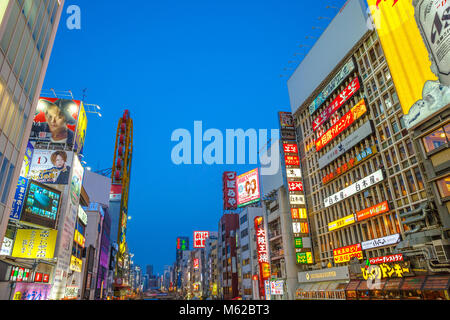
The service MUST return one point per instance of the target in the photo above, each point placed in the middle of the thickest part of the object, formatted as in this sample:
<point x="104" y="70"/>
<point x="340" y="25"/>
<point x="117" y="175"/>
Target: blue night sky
<point x="172" y="63"/>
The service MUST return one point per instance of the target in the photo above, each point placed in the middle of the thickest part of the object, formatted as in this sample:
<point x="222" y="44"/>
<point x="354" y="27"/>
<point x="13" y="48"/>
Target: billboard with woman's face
<point x="247" y="186"/>
<point x="55" y="121"/>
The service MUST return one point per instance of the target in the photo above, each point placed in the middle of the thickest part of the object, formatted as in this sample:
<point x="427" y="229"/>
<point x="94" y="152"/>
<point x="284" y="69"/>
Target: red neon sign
<point x="290" y="148"/>
<point x="343" y="123"/>
<point x="340" y="100"/>
<point x="386" y="259"/>
<point x="292" y="160"/>
<point x="295" y="186"/>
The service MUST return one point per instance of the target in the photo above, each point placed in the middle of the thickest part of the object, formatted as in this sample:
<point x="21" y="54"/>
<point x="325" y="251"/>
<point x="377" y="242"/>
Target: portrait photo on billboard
<point x="55" y="121"/>
<point x="51" y="166"/>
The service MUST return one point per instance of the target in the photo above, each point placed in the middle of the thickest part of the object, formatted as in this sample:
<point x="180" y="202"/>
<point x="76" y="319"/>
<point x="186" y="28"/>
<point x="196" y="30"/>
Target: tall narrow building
<point x="27" y="33"/>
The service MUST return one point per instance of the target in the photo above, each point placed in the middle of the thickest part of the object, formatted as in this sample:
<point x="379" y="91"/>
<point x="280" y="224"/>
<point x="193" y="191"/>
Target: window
<point x="411" y="183"/>
<point x="436" y="139"/>
<point x="444" y="186"/>
<point x="418" y="177"/>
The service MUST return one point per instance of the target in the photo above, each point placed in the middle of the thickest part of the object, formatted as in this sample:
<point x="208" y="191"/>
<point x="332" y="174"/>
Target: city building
<point x="212" y="275"/>
<point x="248" y="259"/>
<point x="26" y="42"/>
<point x="227" y="256"/>
<point x="361" y="173"/>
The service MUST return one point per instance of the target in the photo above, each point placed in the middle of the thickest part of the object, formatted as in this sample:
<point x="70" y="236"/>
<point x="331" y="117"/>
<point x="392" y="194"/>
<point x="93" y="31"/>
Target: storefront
<point x="419" y="287"/>
<point x="324" y="284"/>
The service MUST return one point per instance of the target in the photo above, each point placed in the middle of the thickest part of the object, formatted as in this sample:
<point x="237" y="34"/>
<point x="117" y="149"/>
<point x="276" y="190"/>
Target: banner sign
<point x="346" y="121"/>
<point x="229" y="190"/>
<point x="385" y="271"/>
<point x="340" y="100"/>
<point x="354" y="138"/>
<point x="386" y="259"/>
<point x="348" y="220"/>
<point x="361" y="185"/>
<point x="263" y="255"/>
<point x="353" y="162"/>
<point x="381" y="242"/>
<point x="345" y="254"/>
<point x="333" y="85"/>
<point x="373" y="211"/>
<point x="19" y="198"/>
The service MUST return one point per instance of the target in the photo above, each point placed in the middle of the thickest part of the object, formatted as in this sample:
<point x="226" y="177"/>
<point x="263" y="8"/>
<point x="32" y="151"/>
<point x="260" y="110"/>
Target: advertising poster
<point x="415" y="36"/>
<point x="55" y="121"/>
<point x="81" y="129"/>
<point x="34" y="244"/>
<point x="76" y="181"/>
<point x="248" y="188"/>
<point x="51" y="166"/>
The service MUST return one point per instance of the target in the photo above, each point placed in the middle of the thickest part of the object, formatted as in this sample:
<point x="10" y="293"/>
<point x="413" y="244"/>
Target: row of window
<point x="6" y="173"/>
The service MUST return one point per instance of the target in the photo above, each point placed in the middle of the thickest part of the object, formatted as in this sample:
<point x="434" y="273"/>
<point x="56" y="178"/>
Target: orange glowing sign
<point x="373" y="211"/>
<point x="355" y="113"/>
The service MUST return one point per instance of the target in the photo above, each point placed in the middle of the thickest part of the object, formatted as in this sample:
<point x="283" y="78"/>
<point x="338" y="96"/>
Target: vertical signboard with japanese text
<point x="294" y="185"/>
<point x="263" y="254"/>
<point x="415" y="36"/>
<point x="229" y="190"/>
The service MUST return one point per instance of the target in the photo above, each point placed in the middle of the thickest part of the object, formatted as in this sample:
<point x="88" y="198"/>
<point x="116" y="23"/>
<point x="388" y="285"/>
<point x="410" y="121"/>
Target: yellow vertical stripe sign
<point x="403" y="47"/>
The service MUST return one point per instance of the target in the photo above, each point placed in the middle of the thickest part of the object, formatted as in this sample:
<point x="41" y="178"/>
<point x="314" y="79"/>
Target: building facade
<point x="362" y="176"/>
<point x="26" y="41"/>
<point x="227" y="256"/>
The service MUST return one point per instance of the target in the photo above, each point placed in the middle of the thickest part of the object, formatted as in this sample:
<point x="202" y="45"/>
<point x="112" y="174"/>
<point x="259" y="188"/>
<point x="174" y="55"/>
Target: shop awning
<point x="304" y="287"/>
<point x="437" y="282"/>
<point x="323" y="286"/>
<point x="393" y="284"/>
<point x="336" y="286"/>
<point x="352" y="285"/>
<point x="315" y="286"/>
<point x="413" y="283"/>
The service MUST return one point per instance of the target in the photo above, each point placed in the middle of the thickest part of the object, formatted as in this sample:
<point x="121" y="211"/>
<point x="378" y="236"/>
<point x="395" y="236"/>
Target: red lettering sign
<point x="295" y="186"/>
<point x="229" y="190"/>
<point x="340" y="100"/>
<point x="387" y="259"/>
<point x="290" y="148"/>
<point x="292" y="160"/>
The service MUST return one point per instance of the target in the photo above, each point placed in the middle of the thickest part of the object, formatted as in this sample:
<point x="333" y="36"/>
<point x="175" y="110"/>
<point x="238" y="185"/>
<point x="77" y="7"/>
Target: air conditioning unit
<point x="442" y="250"/>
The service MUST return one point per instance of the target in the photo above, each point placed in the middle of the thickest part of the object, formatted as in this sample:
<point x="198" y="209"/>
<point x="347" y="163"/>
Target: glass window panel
<point x="444" y="186"/>
<point x="434" y="140"/>
<point x="8" y="183"/>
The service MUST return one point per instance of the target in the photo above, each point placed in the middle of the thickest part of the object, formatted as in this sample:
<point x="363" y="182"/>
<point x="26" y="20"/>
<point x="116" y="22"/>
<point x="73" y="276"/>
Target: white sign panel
<point x="293" y="173"/>
<point x="361" y="185"/>
<point x="6" y="246"/>
<point x="276" y="287"/>
<point x="296" y="199"/>
<point x="380" y="242"/>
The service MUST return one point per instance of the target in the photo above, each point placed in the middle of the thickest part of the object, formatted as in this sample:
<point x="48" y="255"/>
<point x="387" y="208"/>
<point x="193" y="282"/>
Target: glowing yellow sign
<point x="34" y="244"/>
<point x="350" y="219"/>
